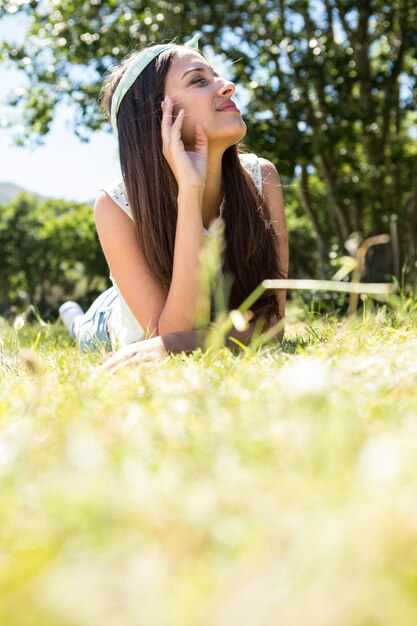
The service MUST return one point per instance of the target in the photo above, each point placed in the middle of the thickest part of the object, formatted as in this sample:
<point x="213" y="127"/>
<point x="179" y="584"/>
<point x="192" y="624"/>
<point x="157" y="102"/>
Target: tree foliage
<point x="333" y="87"/>
<point x="50" y="252"/>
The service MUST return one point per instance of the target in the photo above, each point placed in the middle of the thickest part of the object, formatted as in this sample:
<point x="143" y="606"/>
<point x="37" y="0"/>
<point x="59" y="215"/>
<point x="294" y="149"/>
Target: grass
<point x="273" y="488"/>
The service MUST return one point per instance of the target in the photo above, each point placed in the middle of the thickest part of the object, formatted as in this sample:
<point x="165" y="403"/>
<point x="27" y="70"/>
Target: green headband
<point x="136" y="67"/>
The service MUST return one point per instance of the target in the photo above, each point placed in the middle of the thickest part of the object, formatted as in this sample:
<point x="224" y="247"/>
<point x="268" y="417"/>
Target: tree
<point x="50" y="249"/>
<point x="333" y="88"/>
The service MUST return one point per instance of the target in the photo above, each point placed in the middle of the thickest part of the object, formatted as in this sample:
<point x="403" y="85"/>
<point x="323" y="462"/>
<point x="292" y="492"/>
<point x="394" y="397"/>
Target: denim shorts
<point x="93" y="331"/>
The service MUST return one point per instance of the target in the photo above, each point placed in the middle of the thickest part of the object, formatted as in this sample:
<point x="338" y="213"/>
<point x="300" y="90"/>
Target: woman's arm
<point x="157" y="348"/>
<point x="180" y="308"/>
<point x="190" y="170"/>
<point x="117" y="233"/>
<point x="155" y="310"/>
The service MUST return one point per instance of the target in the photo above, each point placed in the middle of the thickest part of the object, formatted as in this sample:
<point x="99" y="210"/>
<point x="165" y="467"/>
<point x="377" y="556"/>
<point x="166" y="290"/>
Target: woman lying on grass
<point x="183" y="178"/>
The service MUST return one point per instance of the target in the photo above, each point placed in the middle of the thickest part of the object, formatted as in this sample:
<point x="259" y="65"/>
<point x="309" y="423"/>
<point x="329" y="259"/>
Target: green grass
<point x="273" y="488"/>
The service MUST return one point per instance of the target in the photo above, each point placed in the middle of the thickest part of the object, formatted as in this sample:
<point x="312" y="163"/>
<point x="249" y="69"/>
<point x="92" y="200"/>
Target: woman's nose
<point x="227" y="87"/>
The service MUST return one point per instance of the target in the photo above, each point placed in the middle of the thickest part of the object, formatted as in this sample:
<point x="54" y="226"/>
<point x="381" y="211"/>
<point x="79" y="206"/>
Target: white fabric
<point x="123" y="326"/>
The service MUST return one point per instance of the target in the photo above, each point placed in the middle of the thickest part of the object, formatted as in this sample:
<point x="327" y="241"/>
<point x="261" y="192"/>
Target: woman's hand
<point x="155" y="349"/>
<point x="147" y="351"/>
<point x="189" y="168"/>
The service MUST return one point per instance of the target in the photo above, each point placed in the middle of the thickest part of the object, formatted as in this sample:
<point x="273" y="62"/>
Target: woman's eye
<point x="198" y="80"/>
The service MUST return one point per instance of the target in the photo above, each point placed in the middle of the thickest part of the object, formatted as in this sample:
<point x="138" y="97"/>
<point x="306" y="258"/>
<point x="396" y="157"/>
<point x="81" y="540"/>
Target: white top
<point x="122" y="325"/>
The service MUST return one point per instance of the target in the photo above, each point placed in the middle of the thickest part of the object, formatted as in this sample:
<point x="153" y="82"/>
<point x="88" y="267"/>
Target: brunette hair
<point x="249" y="254"/>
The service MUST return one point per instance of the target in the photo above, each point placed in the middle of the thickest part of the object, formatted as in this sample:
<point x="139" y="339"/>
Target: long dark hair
<point x="250" y="242"/>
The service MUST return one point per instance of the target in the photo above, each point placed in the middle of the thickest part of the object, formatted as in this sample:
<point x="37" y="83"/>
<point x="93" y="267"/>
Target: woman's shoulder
<point x="117" y="192"/>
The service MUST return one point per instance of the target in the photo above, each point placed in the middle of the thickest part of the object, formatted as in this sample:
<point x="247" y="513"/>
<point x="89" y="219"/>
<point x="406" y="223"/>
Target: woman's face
<point x="195" y="87"/>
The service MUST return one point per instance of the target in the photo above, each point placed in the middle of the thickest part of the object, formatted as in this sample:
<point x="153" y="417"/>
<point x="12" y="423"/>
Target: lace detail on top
<point x="251" y="163"/>
<point x="117" y="190"/>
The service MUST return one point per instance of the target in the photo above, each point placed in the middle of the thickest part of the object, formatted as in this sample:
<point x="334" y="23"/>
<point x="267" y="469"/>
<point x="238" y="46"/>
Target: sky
<point x="64" y="167"/>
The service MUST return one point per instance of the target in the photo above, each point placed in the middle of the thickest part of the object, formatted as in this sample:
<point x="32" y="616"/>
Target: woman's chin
<point x="239" y="136"/>
<point x="236" y="134"/>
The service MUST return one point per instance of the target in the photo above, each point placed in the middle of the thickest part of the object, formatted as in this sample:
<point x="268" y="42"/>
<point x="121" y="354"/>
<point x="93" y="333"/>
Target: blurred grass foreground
<point x="277" y="487"/>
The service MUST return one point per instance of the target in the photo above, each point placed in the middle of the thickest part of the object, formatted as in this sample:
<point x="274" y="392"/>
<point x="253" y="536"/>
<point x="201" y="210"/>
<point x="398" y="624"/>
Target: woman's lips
<point x="231" y="108"/>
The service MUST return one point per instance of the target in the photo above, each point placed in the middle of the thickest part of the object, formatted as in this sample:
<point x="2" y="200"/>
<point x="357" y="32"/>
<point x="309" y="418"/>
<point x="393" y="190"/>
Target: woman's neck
<point x="213" y="190"/>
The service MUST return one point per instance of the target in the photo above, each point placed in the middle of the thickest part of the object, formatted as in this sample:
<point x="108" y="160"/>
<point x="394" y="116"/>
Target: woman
<point x="178" y="131"/>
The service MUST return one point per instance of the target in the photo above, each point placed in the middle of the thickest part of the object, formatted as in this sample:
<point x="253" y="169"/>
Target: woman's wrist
<point x="190" y="196"/>
<point x="184" y="341"/>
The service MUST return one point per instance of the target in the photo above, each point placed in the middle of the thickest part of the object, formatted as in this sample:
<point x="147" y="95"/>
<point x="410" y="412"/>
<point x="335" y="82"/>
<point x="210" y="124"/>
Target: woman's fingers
<point x="121" y="356"/>
<point x="129" y="363"/>
<point x="114" y="364"/>
<point x="135" y="354"/>
<point x="170" y="129"/>
<point x="176" y="126"/>
<point x="180" y="118"/>
<point x="166" y="123"/>
<point x="189" y="167"/>
<point x="140" y="360"/>
<point x="108" y="365"/>
<point x="167" y="109"/>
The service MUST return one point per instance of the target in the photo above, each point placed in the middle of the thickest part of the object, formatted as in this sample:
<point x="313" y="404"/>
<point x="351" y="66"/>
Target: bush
<point x="51" y="253"/>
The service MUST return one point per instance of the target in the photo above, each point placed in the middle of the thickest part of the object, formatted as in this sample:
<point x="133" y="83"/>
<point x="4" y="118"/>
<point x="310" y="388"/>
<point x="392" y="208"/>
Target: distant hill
<point x="9" y="191"/>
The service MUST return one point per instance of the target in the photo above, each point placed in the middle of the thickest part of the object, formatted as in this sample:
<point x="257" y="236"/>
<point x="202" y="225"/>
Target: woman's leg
<point x="92" y="331"/>
<point x="71" y="314"/>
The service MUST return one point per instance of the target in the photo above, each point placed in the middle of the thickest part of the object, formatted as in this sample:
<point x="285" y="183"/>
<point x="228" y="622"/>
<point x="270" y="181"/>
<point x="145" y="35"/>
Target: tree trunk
<point x="412" y="223"/>
<point x="329" y="177"/>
